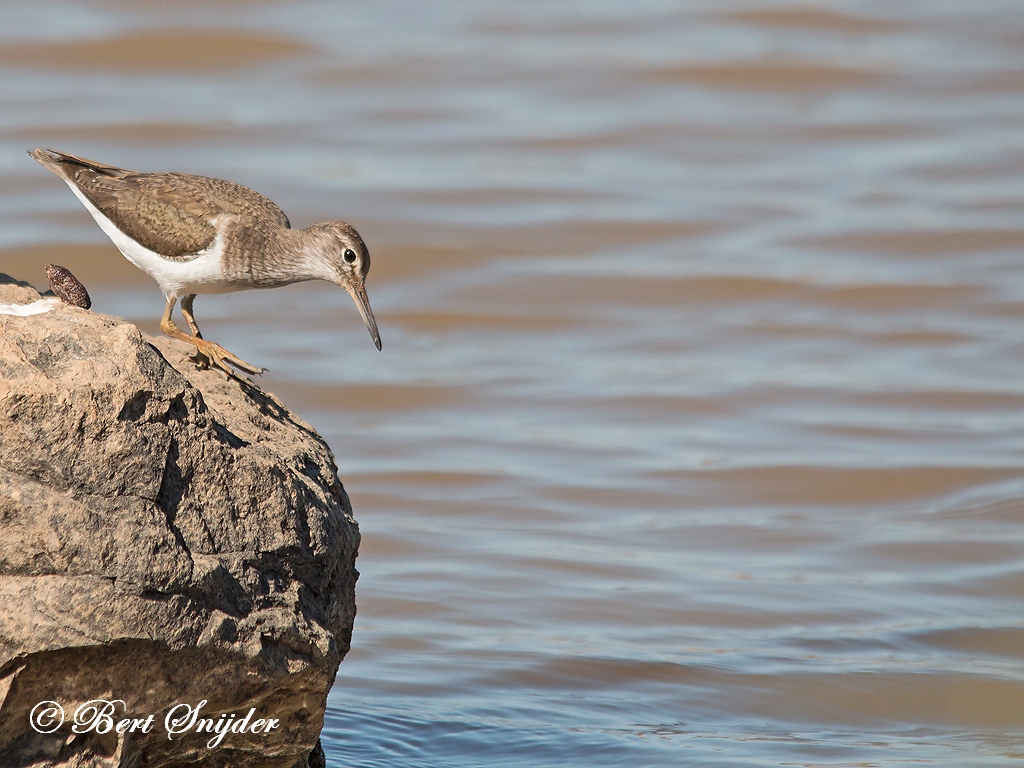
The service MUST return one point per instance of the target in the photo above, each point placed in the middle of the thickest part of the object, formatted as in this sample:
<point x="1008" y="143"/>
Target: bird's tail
<point x="64" y="164"/>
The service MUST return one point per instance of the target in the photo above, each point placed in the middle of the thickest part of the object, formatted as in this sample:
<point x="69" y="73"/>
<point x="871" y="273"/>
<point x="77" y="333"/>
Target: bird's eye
<point x="349" y="255"/>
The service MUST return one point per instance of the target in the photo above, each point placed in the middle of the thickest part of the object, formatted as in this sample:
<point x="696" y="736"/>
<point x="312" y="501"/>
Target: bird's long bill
<point x="358" y="293"/>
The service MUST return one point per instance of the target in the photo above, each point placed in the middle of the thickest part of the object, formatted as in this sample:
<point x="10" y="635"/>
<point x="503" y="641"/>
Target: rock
<point x="167" y="537"/>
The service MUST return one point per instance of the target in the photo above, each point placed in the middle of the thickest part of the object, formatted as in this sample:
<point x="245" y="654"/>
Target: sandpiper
<point x="194" y="234"/>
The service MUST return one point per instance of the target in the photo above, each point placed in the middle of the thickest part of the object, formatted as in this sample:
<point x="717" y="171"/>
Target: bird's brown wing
<point x="169" y="213"/>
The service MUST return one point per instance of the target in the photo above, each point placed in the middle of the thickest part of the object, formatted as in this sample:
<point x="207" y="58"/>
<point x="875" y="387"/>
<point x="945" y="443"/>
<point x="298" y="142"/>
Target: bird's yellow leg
<point x="217" y="356"/>
<point x="186" y="312"/>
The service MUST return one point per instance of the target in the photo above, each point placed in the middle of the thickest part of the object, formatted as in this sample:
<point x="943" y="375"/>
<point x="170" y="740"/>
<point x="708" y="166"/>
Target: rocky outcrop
<point x="167" y="537"/>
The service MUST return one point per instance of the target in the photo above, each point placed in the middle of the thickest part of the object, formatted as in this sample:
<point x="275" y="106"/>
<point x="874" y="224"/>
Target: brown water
<point x="698" y="433"/>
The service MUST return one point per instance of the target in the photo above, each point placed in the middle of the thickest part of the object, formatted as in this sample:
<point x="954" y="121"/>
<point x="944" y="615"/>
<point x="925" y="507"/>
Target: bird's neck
<point x="293" y="256"/>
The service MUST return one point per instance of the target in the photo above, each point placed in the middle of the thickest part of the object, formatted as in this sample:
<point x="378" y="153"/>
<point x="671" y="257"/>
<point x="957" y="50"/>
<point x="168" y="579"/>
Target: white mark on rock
<point x="35" y="308"/>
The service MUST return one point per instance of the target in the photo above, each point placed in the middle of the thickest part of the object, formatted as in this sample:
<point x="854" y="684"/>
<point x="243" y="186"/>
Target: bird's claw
<point x="215" y="356"/>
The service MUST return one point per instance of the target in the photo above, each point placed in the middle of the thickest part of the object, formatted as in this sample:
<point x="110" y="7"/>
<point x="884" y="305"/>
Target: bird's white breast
<point x="200" y="274"/>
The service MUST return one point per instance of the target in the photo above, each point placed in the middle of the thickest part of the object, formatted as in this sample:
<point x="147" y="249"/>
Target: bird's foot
<point x="215" y="356"/>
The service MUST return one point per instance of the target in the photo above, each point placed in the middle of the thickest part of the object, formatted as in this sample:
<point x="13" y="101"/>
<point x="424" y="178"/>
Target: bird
<point x="195" y="234"/>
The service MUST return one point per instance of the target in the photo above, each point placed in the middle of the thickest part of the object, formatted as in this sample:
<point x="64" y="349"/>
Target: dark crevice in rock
<point x="135" y="408"/>
<point x="173" y="483"/>
<point x="177" y="410"/>
<point x="225" y="593"/>
<point x="317" y="758"/>
<point x="227" y="437"/>
<point x="155" y="594"/>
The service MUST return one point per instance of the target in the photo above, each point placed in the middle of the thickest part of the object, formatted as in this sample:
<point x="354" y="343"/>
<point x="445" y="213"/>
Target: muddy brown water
<point x="697" y="437"/>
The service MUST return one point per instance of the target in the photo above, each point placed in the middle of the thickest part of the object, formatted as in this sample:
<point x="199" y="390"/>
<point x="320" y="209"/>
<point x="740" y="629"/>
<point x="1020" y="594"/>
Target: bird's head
<point x="346" y="262"/>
